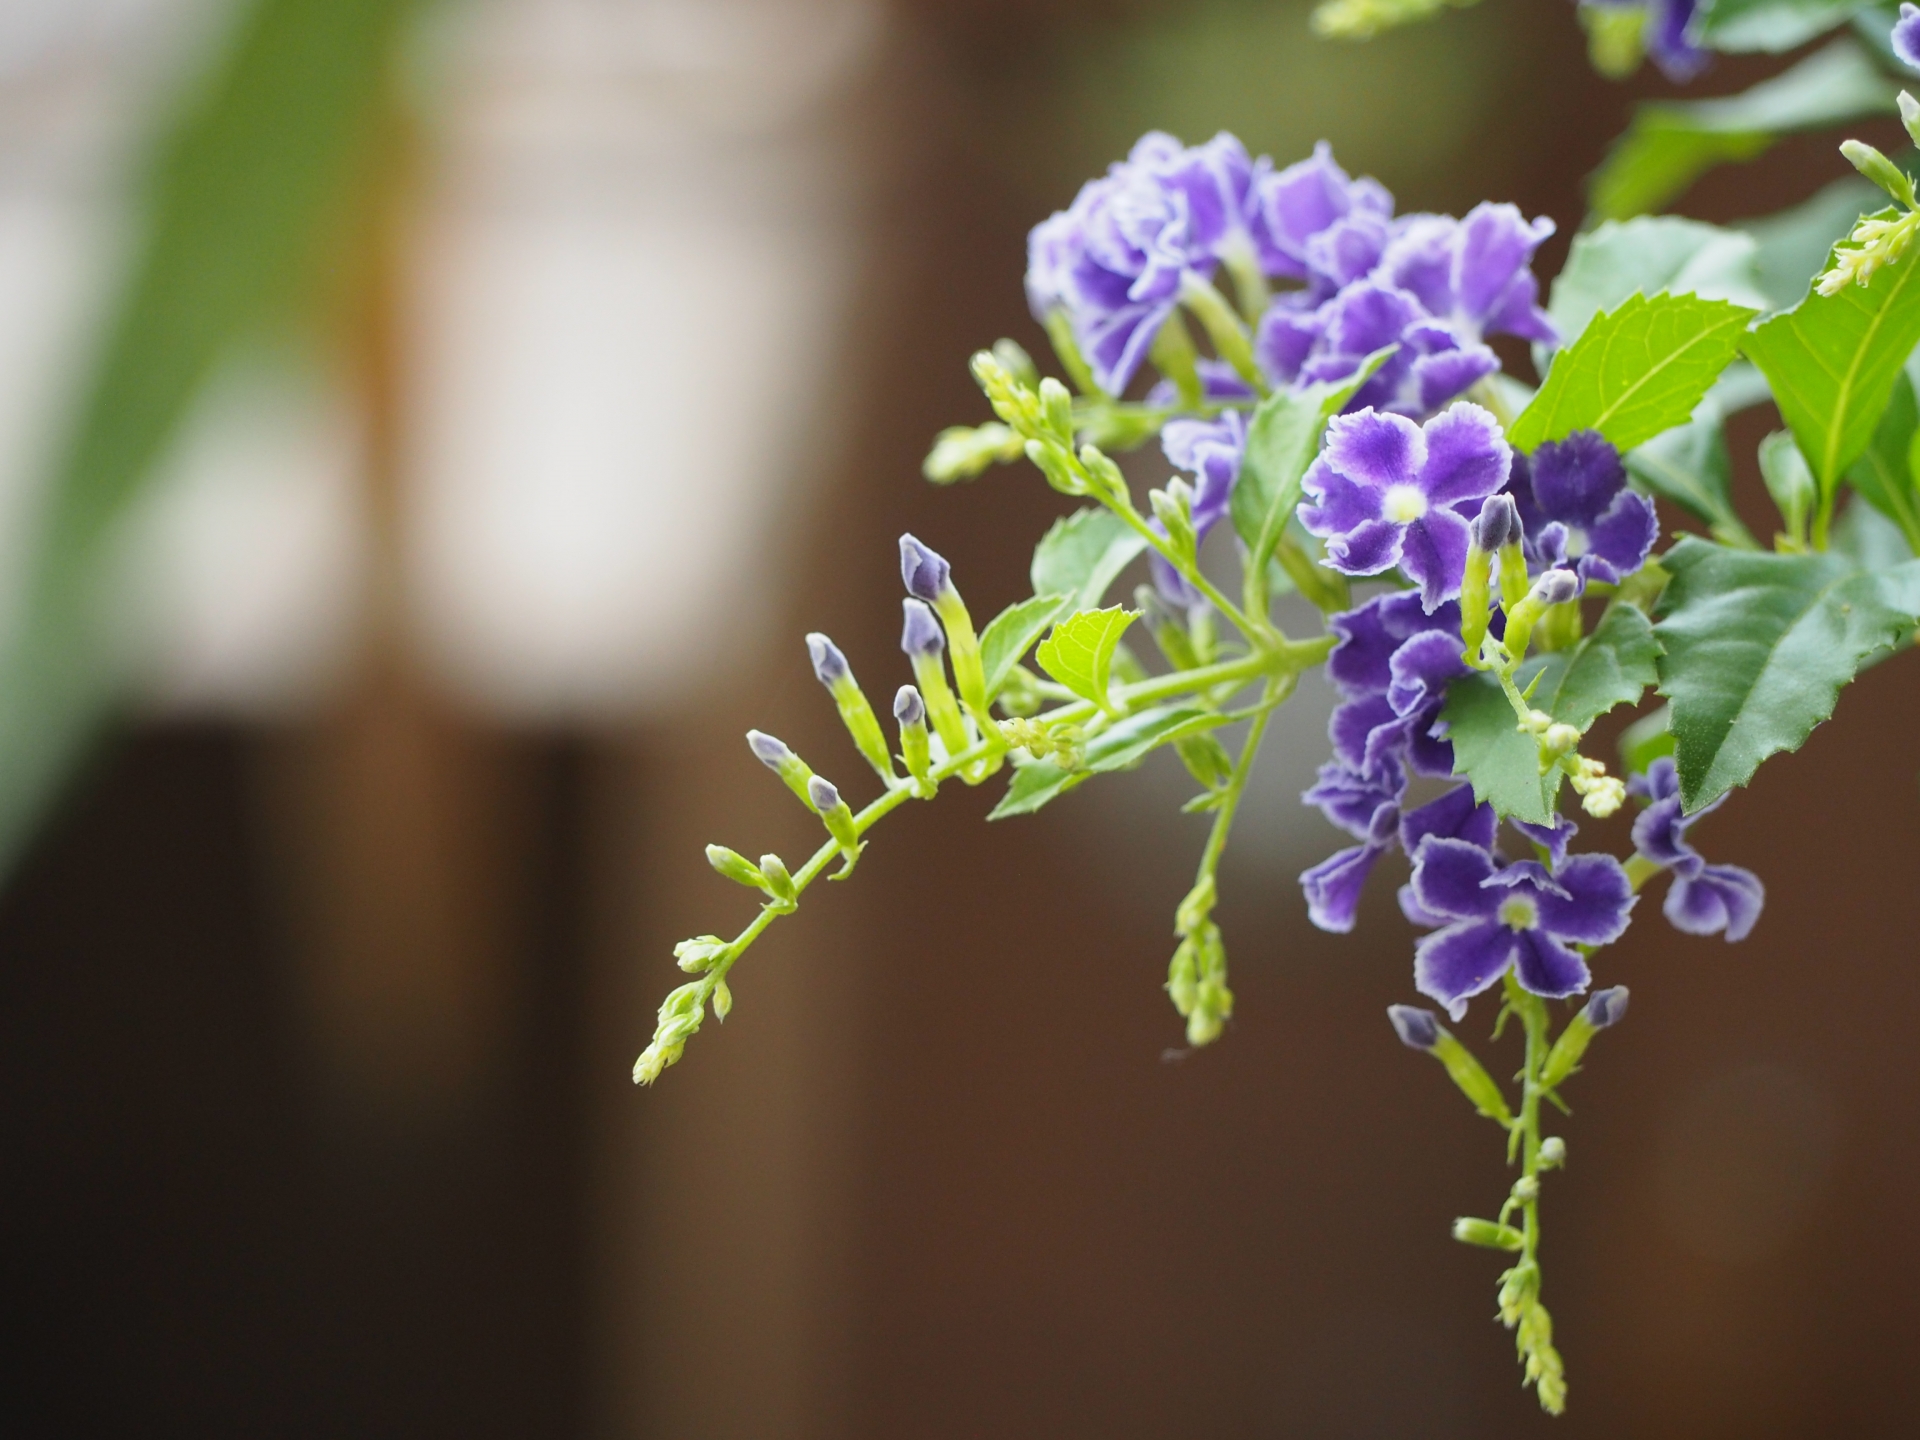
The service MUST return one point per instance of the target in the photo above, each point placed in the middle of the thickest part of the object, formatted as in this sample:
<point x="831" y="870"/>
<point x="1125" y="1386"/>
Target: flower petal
<point x="1333" y="886"/>
<point x="1433" y="554"/>
<point x="1576" y="479"/>
<point x="1453" y="816"/>
<point x="1546" y="967"/>
<point x="1719" y="897"/>
<point x="1457" y="963"/>
<point x="1450" y="877"/>
<point x="1421" y="668"/>
<point x="1368" y="549"/>
<point x="1598" y="900"/>
<point x="1375" y="448"/>
<point x="1467" y="457"/>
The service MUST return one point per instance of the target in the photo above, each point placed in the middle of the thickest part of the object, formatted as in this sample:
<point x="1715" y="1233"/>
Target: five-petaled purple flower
<point x="1906" y="36"/>
<point x="1387" y="492"/>
<point x="1577" y="510"/>
<point x="1703" y="898"/>
<point x="1474" y="272"/>
<point x="1520" y="916"/>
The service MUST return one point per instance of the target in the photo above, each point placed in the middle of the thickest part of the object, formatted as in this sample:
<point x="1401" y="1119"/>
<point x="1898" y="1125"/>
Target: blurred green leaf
<point x="1795" y="243"/>
<point x="1647" y="255"/>
<point x="247" y="203"/>
<point x="1670" y="143"/>
<point x="1081" y="554"/>
<point x="1773" y="26"/>
<point x="1882" y="474"/>
<point x="1634" y="372"/>
<point x="1012" y="632"/>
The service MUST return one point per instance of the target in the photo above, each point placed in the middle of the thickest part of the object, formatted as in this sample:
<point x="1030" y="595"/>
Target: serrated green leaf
<point x="1125" y="743"/>
<point x="1647" y="255"/>
<point x="1635" y="371"/>
<point x="1669" y="143"/>
<point x="1081" y="554"/>
<point x="1832" y="360"/>
<point x="1772" y="27"/>
<point x="1612" y="666"/>
<point x="1501" y="760"/>
<point x="1282" y="439"/>
<point x="1079" y="652"/>
<point x="1794" y="243"/>
<point x="1012" y="632"/>
<point x="1758" y="647"/>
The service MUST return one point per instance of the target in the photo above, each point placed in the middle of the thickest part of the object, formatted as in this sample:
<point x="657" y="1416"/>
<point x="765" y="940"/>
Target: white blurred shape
<point x="246" y="563"/>
<point x="629" y="289"/>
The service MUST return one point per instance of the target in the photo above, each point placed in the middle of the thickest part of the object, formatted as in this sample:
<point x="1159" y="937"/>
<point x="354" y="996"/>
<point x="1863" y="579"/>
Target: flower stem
<point x="1520" y="1307"/>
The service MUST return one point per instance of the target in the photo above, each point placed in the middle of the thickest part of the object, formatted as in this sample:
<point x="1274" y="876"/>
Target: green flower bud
<point x="1017" y="362"/>
<point x="722" y="999"/>
<point x="1488" y="1233"/>
<point x="699" y="953"/>
<point x="779" y="881"/>
<point x="736" y="867"/>
<point x="1877" y="168"/>
<point x="1056" y="410"/>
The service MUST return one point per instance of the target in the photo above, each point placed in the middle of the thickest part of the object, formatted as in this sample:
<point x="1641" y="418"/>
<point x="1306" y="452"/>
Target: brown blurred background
<point x="320" y="988"/>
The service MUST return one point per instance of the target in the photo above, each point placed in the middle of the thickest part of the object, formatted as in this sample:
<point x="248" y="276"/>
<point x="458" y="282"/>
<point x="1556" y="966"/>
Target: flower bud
<point x="1877" y="168"/>
<point x="1526" y="1188"/>
<point x="1553" y="1153"/>
<point x="722" y="1000"/>
<point x="908" y="707"/>
<point x="838" y="819"/>
<point x="699" y="953"/>
<point x="823" y="793"/>
<point x="1910" y="116"/>
<point x="775" y="755"/>
<point x="1418" y="1029"/>
<point x="735" y="866"/>
<point x="921" y="635"/>
<point x="1056" y="406"/>
<point x="1488" y="1233"/>
<point x="1016" y="361"/>
<point x="1497" y="524"/>
<point x="911" y="713"/>
<point x="1607" y="1007"/>
<point x="779" y="881"/>
<point x="829" y="665"/>
<point x="1555" y="587"/>
<point x="924" y="572"/>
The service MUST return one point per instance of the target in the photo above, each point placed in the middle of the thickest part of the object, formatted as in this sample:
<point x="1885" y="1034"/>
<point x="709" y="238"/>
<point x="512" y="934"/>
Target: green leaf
<point x="1012" y="632"/>
<point x="1671" y="143"/>
<point x="1832" y="360"/>
<point x="1282" y="440"/>
<point x="1501" y="760"/>
<point x="1635" y="371"/>
<point x="1881" y="474"/>
<point x="1082" y="554"/>
<point x="1689" y="464"/>
<point x="1126" y="743"/>
<point x="1757" y="648"/>
<point x="1079" y="652"/>
<point x="1736" y="27"/>
<point x="1646" y="740"/>
<point x="1794" y="244"/>
<point x="1612" y="666"/>
<point x="1647" y="255"/>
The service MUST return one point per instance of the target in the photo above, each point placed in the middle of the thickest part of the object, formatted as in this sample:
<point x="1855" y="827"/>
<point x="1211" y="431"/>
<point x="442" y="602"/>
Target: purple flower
<point x="1393" y="700"/>
<point x="1430" y="366"/>
<point x="1210" y="450"/>
<point x="1367" y="806"/>
<point x="1473" y="273"/>
<point x="1577" y="510"/>
<point x="1387" y="492"/>
<point x="1672" y="38"/>
<point x="1703" y="899"/>
<point x="1519" y="916"/>
<point x="1313" y="218"/>
<point x="1906" y="36"/>
<point x="1218" y="381"/>
<point x="1333" y="886"/>
<point x="1418" y="1029"/>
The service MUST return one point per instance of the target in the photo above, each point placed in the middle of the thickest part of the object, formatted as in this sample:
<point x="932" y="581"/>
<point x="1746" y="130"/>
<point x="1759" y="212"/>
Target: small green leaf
<point x="1082" y="554"/>
<point x="1736" y="27"/>
<point x="1647" y="255"/>
<point x="1832" y="361"/>
<point x="1282" y="440"/>
<point x="1758" y="647"/>
<point x="1013" y="631"/>
<point x="1794" y="243"/>
<point x="1612" y="666"/>
<point x="1670" y="143"/>
<point x="1489" y="749"/>
<point x="1079" y="652"/>
<point x="1635" y="371"/>
<point x="1126" y="743"/>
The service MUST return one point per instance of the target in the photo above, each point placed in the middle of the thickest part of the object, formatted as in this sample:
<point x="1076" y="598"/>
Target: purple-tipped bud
<point x="1556" y="587"/>
<point x="828" y="663"/>
<point x="924" y="572"/>
<point x="1497" y="524"/>
<point x="1607" y="1007"/>
<point x="922" y="634"/>
<point x="1418" y="1029"/>
<point x="770" y="752"/>
<point x="823" y="794"/>
<point x="908" y="707"/>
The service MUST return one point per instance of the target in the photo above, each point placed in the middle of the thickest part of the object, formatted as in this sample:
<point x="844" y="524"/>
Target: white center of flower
<point x="1577" y="542"/>
<point x="1403" y="504"/>
<point x="1518" y="912"/>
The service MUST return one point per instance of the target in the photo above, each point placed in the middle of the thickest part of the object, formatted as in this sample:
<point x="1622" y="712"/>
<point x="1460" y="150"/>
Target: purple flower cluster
<point x="1385" y="495"/>
<point x="1116" y="260"/>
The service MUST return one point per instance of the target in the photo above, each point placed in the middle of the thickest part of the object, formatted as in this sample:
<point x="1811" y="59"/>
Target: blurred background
<point x="427" y="428"/>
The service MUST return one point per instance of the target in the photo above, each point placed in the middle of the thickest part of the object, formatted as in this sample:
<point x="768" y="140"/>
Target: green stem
<point x="1278" y="688"/>
<point x="1262" y="633"/>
